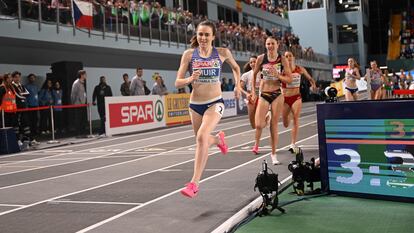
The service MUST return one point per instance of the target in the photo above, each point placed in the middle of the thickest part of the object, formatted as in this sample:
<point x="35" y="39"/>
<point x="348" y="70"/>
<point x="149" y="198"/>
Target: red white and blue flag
<point x="82" y="14"/>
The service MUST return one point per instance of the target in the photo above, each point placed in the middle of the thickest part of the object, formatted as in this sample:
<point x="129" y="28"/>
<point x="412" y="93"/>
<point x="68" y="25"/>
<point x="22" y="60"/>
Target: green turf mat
<point x="335" y="214"/>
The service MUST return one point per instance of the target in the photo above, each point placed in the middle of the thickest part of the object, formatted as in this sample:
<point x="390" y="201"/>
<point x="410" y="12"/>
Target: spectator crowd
<point x="27" y="106"/>
<point x="407" y="34"/>
<point x="281" y="7"/>
<point x="246" y="36"/>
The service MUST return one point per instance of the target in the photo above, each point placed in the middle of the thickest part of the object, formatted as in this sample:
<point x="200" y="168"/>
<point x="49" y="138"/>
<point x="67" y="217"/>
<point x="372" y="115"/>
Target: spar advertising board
<point x="125" y="114"/>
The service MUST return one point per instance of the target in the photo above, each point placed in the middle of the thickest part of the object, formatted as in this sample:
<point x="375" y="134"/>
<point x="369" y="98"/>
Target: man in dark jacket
<point x="22" y="126"/>
<point x="98" y="96"/>
<point x="125" y="85"/>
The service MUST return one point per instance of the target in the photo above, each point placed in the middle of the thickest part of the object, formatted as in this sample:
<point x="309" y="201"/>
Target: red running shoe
<point x="255" y="149"/>
<point x="191" y="190"/>
<point x="222" y="143"/>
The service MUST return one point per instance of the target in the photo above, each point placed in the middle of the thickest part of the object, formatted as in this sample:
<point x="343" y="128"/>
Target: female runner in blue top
<point x="206" y="104"/>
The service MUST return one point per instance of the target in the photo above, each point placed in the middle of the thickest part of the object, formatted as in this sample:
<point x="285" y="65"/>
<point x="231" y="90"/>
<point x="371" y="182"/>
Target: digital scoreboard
<point x="367" y="148"/>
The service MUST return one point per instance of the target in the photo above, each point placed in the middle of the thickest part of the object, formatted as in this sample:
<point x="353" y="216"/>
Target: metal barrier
<point x="52" y="117"/>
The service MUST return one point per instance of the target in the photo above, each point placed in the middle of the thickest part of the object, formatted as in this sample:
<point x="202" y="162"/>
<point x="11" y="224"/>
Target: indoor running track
<point x="131" y="183"/>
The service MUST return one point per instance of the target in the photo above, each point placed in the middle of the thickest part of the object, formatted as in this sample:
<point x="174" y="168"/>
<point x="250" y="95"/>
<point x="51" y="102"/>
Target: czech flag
<point x="82" y="13"/>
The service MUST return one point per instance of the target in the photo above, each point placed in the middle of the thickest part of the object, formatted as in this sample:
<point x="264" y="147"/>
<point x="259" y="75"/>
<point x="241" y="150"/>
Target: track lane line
<point x="121" y="137"/>
<point x="114" y="138"/>
<point x="146" y="173"/>
<point x="178" y="190"/>
<point x="106" y="154"/>
<point x="111" y="165"/>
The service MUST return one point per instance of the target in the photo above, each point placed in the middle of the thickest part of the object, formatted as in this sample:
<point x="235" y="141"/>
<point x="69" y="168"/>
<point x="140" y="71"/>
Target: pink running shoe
<point x="191" y="190"/>
<point x="222" y="143"/>
<point x="255" y="149"/>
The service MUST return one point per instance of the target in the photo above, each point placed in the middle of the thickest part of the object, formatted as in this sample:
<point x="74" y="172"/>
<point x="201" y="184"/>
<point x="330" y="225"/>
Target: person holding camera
<point x="275" y="70"/>
<point x="293" y="98"/>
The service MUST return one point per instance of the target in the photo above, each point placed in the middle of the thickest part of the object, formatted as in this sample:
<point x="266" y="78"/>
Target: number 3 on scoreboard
<point x="353" y="163"/>
<point x="399" y="129"/>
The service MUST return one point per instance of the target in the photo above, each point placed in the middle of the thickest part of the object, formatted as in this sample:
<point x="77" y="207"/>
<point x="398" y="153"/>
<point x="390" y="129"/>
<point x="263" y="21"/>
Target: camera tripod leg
<point x="275" y="205"/>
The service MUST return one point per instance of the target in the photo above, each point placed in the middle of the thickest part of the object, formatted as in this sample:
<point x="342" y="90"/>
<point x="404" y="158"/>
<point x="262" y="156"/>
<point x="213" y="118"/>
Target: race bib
<point x="295" y="81"/>
<point x="220" y="109"/>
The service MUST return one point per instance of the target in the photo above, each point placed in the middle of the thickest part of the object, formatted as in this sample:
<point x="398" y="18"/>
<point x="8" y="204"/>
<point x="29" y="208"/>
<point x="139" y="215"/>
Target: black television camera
<point x="268" y="185"/>
<point x="331" y="94"/>
<point x="304" y="172"/>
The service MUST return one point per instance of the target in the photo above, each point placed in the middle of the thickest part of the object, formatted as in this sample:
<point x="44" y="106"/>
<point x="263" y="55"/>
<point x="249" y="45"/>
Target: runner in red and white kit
<point x="292" y="97"/>
<point x="275" y="69"/>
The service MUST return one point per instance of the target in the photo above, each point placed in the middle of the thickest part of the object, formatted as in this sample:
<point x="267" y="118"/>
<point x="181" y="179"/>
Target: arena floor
<point x="131" y="183"/>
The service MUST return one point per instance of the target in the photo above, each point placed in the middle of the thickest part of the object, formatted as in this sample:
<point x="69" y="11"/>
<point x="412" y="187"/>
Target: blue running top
<point x="210" y="67"/>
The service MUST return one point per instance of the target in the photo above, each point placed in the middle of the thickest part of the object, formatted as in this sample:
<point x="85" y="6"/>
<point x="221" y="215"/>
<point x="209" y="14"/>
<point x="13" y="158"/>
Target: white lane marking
<point x="112" y="153"/>
<point x="243" y="118"/>
<point x="111" y="165"/>
<point x="93" y="202"/>
<point x="260" y="147"/>
<point x="59" y="159"/>
<point x="171" y="170"/>
<point x="129" y="161"/>
<point x="103" y="150"/>
<point x="149" y="149"/>
<point x="176" y="191"/>
<point x="100" y="156"/>
<point x="10" y="161"/>
<point x="10" y="205"/>
<point x="121" y="137"/>
<point x="139" y="175"/>
<point x="161" y="131"/>
<point x="215" y="169"/>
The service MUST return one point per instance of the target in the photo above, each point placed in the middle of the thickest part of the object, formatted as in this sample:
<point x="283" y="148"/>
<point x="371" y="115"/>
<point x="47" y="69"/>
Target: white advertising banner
<point x="125" y="114"/>
<point x="229" y="104"/>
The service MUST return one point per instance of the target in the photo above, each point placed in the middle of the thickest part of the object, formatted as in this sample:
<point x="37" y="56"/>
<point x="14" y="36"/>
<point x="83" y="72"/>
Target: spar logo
<point x="138" y="113"/>
<point x="134" y="113"/>
<point x="159" y="110"/>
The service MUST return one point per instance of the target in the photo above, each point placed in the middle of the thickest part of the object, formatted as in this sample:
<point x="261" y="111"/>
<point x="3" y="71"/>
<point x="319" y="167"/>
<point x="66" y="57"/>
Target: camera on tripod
<point x="268" y="185"/>
<point x="331" y="94"/>
<point x="304" y="172"/>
